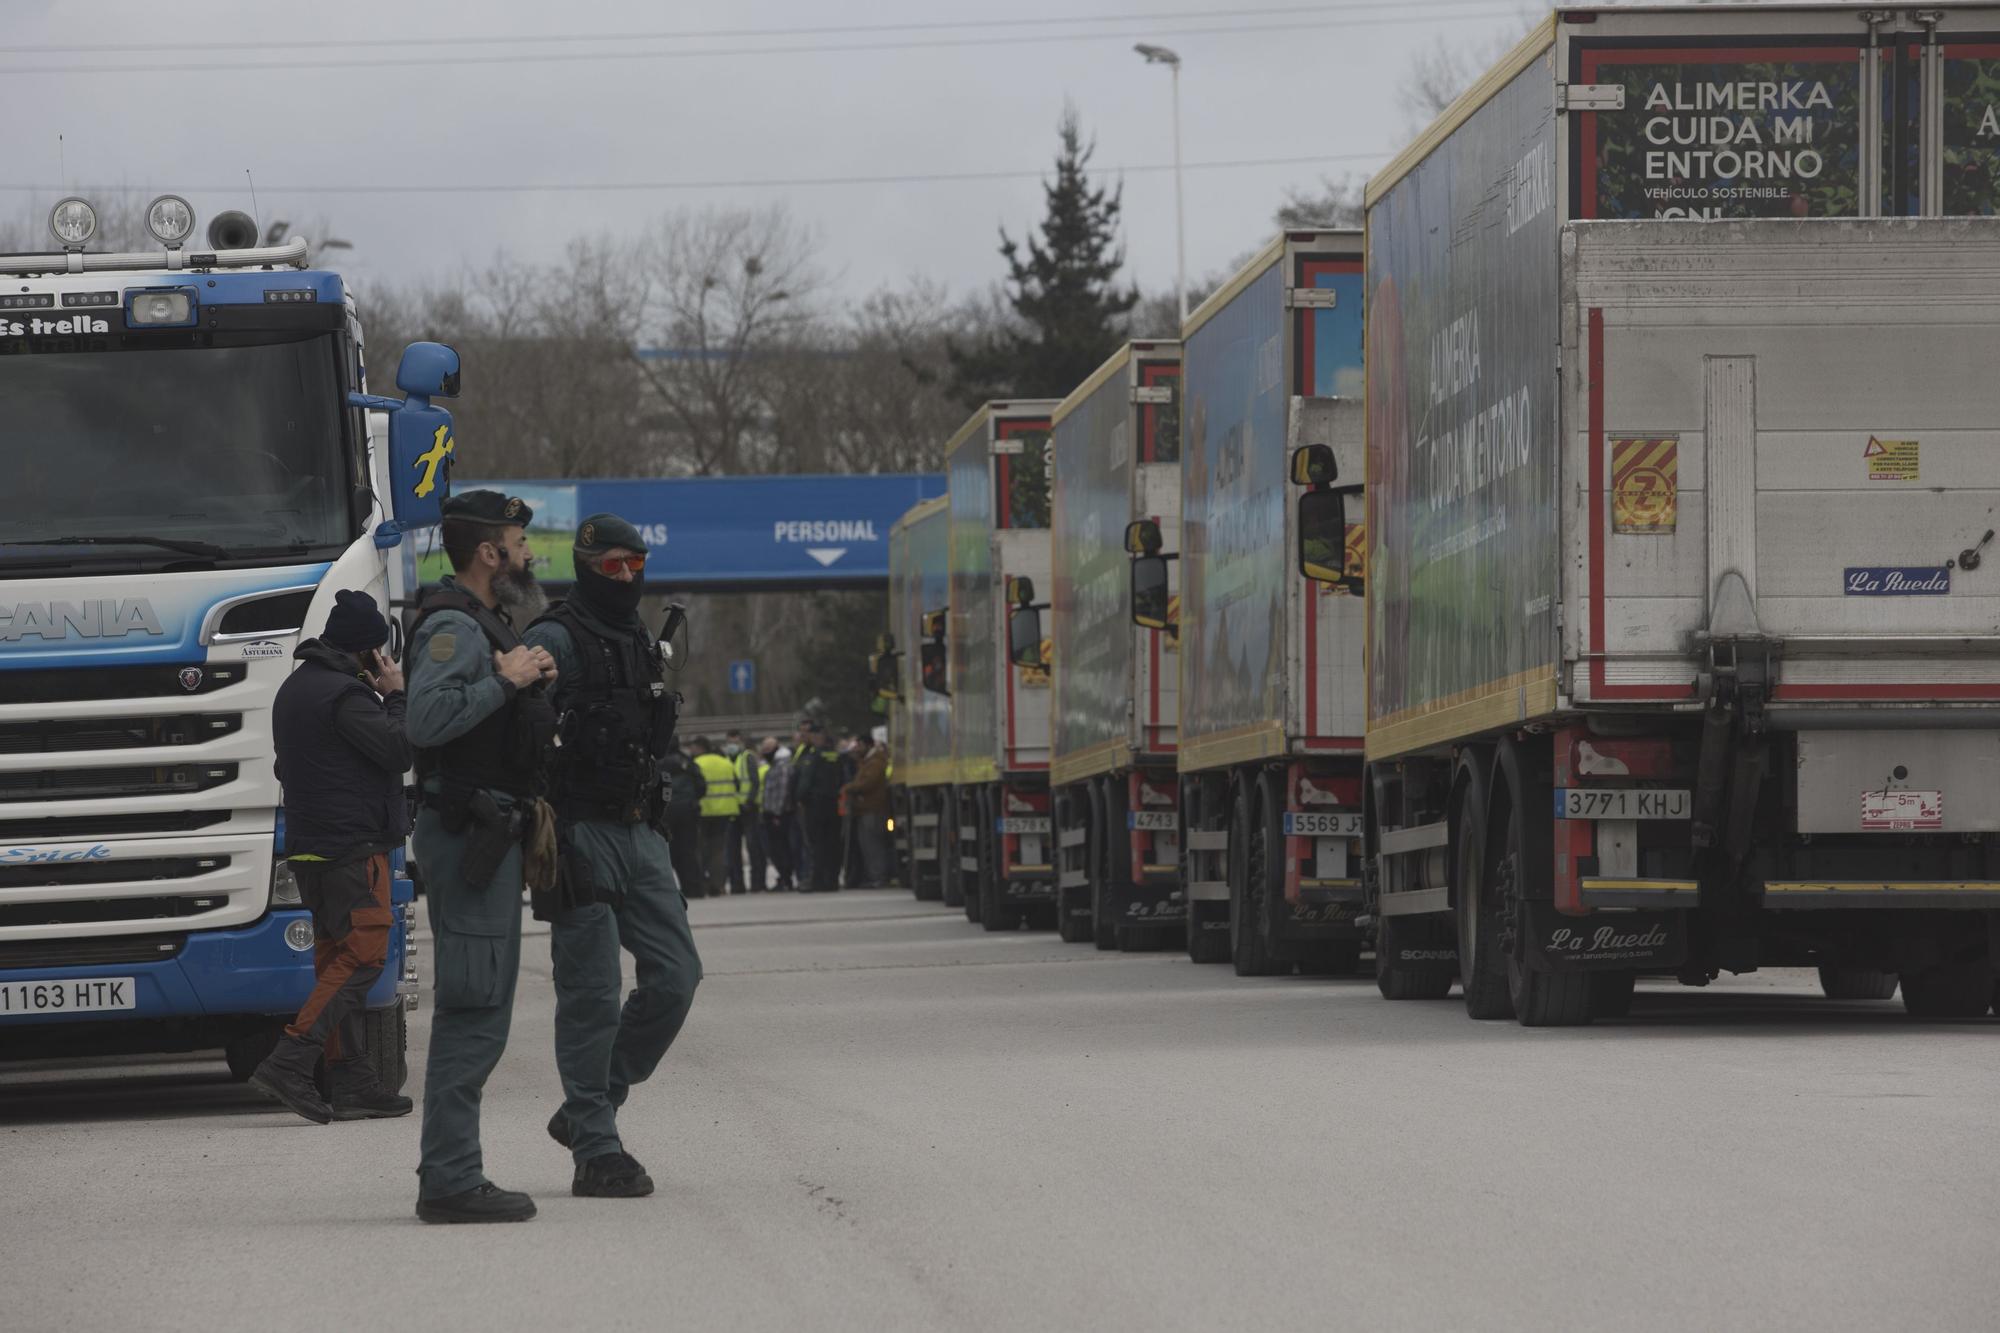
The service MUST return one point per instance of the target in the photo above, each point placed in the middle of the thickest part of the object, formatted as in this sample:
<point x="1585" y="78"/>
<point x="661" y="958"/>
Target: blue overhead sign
<point x="715" y="532"/>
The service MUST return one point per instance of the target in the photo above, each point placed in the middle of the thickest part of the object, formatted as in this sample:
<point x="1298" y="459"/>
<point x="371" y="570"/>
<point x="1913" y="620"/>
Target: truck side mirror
<point x="1323" y="537"/>
<point x="1024" y="636"/>
<point x="1149" y="593"/>
<point x="931" y="665"/>
<point x="420" y="439"/>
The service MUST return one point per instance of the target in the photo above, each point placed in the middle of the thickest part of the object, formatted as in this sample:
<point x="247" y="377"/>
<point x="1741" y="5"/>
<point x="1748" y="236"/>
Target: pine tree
<point x="1072" y="312"/>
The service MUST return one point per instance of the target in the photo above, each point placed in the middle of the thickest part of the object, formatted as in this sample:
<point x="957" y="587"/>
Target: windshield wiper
<point x="206" y="550"/>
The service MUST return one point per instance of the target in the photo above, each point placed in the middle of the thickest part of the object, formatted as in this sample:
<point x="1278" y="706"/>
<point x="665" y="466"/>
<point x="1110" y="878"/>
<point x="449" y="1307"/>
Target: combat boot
<point x="286" y="1075"/>
<point x="481" y="1203"/>
<point x="359" y="1095"/>
<point x="614" y="1175"/>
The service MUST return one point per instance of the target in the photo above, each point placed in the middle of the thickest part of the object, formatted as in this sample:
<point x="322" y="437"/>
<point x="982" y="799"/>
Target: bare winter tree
<point x="726" y="292"/>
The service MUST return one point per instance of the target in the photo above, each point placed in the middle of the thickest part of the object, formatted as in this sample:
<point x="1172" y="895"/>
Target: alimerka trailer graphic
<point x="1681" y="651"/>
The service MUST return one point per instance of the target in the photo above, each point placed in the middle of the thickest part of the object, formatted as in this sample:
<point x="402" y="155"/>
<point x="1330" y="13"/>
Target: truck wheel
<point x="1962" y="988"/>
<point x="1541" y="999"/>
<point x="386" y="1032"/>
<point x="995" y="912"/>
<point x="968" y="880"/>
<point x="1249" y="888"/>
<point x="1104" y="839"/>
<point x="1414" y="957"/>
<point x="1856" y="983"/>
<point x="245" y="1051"/>
<point x="1072" y="904"/>
<point x="928" y="888"/>
<point x="1481" y="913"/>
<point x="1611" y="993"/>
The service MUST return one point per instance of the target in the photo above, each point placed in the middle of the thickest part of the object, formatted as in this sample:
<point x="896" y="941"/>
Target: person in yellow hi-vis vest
<point x="720" y="804"/>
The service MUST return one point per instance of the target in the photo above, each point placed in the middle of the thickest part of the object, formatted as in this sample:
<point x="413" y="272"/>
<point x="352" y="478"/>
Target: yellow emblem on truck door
<point x="1645" y="484"/>
<point x="442" y="443"/>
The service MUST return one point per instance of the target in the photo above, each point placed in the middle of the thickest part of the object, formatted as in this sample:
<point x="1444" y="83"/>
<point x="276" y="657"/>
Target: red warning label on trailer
<point x="1901" y="811"/>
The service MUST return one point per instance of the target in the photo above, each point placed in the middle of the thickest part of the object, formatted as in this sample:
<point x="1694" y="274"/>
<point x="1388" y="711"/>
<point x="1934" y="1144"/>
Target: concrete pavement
<point x="880" y="1117"/>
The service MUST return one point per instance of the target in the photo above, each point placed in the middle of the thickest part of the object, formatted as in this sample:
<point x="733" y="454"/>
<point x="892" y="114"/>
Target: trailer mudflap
<point x="1621" y="941"/>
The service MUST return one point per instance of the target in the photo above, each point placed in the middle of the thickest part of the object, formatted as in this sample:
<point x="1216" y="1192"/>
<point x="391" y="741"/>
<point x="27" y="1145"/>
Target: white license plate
<point x="1623" y="803"/>
<point x="78" y="995"/>
<point x="1323" y="823"/>
<point x="1025" y="824"/>
<point x="1159" y="821"/>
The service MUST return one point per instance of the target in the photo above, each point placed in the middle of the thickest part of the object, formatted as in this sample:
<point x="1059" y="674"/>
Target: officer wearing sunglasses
<point x="616" y="886"/>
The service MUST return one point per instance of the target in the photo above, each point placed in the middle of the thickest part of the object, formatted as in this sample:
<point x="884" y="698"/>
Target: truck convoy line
<point x="198" y="471"/>
<point x="1677" y="654"/>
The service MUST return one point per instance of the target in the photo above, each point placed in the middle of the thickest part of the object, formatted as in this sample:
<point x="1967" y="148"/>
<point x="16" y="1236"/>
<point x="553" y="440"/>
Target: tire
<point x="1480" y="916"/>
<point x="1398" y="975"/>
<point x="1857" y="983"/>
<point x="1250" y="874"/>
<point x="1072" y="925"/>
<point x="1611" y="993"/>
<point x="245" y="1051"/>
<point x="968" y="881"/>
<point x="1959" y="989"/>
<point x="1525" y="858"/>
<point x="1103" y="910"/>
<point x="386" y="1033"/>
<point x="931" y="888"/>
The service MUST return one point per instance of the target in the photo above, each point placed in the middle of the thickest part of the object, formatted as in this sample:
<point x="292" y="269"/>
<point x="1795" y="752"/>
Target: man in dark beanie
<point x="616" y="887"/>
<point x="338" y="726"/>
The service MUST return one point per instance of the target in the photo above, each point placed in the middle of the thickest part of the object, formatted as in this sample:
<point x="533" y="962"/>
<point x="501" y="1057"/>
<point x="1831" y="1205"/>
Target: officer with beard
<point x="617" y="885"/>
<point x="481" y="729"/>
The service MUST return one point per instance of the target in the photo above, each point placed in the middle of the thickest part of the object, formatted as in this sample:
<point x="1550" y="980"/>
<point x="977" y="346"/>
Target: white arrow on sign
<point x="826" y="555"/>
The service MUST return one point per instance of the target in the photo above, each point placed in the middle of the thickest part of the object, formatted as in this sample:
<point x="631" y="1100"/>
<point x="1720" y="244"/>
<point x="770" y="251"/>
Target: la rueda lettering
<point x="18" y="328"/>
<point x="1566" y="940"/>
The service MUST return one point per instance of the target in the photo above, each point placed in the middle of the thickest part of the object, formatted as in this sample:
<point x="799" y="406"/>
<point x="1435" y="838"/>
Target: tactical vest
<point x="617" y="725"/>
<point x="506" y="750"/>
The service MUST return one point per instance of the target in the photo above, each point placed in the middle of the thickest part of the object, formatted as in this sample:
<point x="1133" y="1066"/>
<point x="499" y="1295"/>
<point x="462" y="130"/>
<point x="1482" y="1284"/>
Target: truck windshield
<point x="238" y="447"/>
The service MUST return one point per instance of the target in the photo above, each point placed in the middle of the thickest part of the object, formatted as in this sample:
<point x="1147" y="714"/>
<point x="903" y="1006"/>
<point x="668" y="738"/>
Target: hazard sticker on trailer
<point x="1645" y="484"/>
<point x="1890" y="460"/>
<point x="1901" y="811"/>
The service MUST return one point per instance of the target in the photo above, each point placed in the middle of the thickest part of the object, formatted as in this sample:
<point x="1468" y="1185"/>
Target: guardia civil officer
<point x="617" y="885"/>
<point x="481" y="727"/>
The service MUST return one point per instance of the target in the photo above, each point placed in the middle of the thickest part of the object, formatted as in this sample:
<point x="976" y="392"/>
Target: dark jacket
<point x="341" y="758"/>
<point x="815" y="780"/>
<point x="685" y="786"/>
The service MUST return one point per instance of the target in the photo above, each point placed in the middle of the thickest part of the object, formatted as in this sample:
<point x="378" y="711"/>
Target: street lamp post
<point x="1160" y="55"/>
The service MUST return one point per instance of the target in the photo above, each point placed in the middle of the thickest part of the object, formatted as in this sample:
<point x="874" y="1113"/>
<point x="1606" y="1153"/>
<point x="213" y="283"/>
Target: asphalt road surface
<point x="880" y="1117"/>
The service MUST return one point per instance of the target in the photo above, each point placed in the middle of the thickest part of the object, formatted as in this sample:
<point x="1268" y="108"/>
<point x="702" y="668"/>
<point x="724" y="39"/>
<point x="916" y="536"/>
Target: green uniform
<point x="601" y="1051"/>
<point x="476" y="929"/>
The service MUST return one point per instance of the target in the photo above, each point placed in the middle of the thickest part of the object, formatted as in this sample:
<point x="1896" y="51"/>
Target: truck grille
<point x="141" y="682"/>
<point x="64" y="784"/>
<point x="99" y="950"/>
<point x="118" y="733"/>
<point x="103" y="826"/>
<point x="81" y="911"/>
<point x="55" y="874"/>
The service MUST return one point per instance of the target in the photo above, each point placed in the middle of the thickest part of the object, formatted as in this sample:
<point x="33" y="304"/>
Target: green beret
<point x="601" y="532"/>
<point x="489" y="507"/>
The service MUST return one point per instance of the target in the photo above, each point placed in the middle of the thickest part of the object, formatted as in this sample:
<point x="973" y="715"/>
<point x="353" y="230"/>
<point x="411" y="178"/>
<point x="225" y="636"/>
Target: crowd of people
<point x="809" y="816"/>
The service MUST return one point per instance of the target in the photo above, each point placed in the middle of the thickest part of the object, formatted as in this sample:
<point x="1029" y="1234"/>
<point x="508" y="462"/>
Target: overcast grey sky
<point x="1320" y="82"/>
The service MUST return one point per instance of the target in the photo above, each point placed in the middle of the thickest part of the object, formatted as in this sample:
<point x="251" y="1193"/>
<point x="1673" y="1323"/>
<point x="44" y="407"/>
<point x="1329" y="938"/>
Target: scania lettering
<point x="193" y="470"/>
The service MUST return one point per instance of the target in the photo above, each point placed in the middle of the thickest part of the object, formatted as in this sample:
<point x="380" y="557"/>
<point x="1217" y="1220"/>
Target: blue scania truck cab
<point x="194" y="467"/>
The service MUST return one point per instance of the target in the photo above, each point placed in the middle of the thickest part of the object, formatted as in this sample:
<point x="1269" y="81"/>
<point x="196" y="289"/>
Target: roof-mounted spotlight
<point x="170" y="219"/>
<point x="73" y="222"/>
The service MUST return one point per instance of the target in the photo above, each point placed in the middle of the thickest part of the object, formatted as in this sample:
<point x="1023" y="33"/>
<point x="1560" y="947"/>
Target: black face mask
<point x="606" y="595"/>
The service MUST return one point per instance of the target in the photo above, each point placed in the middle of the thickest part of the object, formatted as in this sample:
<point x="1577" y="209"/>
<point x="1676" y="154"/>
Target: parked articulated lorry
<point x="1116" y="684"/>
<point x="998" y="521"/>
<point x="914" y="682"/>
<point x="1270" y="660"/>
<point x="193" y="471"/>
<point x="1682" y="604"/>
